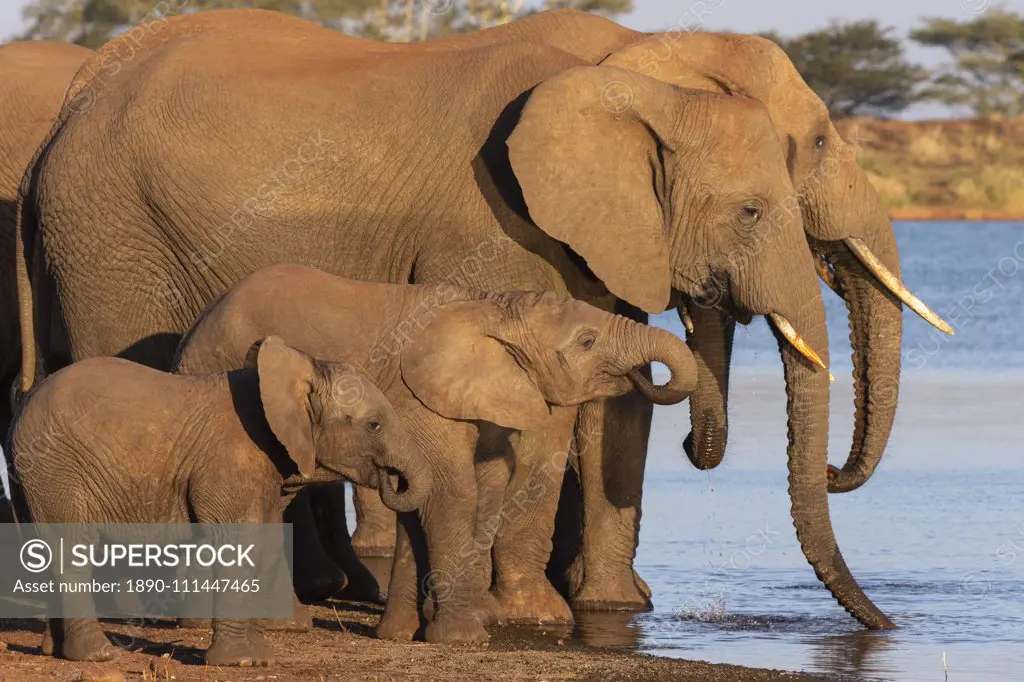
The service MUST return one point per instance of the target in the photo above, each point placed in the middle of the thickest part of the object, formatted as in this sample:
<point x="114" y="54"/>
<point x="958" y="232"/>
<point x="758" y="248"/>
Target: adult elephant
<point x="34" y="75"/>
<point x="421" y="163"/>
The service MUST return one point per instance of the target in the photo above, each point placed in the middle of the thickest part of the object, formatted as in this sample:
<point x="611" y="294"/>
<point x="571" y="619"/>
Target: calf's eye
<point x="819" y="142"/>
<point x="373" y="426"/>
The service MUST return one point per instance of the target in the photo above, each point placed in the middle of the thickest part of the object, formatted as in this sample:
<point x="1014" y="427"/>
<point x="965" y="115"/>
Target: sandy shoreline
<point x="341" y="647"/>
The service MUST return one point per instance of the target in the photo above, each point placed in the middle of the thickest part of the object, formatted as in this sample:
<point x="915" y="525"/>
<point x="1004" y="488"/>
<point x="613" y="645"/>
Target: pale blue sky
<point x="786" y="16"/>
<point x="748" y="16"/>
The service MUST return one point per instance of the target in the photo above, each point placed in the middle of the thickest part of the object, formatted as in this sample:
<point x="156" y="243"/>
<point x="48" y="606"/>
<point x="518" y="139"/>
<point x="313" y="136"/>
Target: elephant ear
<point x="588" y="154"/>
<point x="460" y="371"/>
<point x="286" y="385"/>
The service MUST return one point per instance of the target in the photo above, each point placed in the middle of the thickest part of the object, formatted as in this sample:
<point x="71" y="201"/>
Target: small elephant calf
<point x="487" y="384"/>
<point x="109" y="441"/>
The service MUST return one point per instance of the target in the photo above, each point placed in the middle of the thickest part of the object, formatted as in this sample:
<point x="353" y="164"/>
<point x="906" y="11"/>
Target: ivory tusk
<point x="786" y="329"/>
<point x="684" y="315"/>
<point x="893" y="284"/>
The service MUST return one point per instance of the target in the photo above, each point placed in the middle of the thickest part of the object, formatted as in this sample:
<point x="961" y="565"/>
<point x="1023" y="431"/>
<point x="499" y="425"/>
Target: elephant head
<point x="660" y="188"/>
<point x="847" y="227"/>
<point x="507" y="358"/>
<point x="329" y="416"/>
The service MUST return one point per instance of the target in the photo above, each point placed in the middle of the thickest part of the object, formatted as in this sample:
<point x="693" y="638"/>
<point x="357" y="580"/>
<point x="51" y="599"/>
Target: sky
<point x="788" y="17"/>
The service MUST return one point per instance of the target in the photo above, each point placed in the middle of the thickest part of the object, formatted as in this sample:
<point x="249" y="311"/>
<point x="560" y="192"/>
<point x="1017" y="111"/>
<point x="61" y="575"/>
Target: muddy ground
<point x="342" y="647"/>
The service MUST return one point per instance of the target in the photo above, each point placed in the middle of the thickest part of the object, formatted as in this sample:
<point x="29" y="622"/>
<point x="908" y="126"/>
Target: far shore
<point x="945" y="213"/>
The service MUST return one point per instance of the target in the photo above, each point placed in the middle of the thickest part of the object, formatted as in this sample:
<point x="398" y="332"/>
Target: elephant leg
<point x="77" y="639"/>
<point x="493" y="473"/>
<point x="453" y="582"/>
<point x="328" y="507"/>
<point x="401" y="619"/>
<point x="612" y="444"/>
<point x="375" y="525"/>
<point x="240" y="642"/>
<point x="523" y="544"/>
<point x="316" y="576"/>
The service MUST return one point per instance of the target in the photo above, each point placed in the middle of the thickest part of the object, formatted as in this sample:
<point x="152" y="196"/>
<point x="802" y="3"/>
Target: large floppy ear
<point x="286" y="383"/>
<point x="457" y="369"/>
<point x="588" y="152"/>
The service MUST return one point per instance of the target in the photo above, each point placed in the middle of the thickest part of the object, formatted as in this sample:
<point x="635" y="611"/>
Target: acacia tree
<point x="987" y="72"/>
<point x="93" y="22"/>
<point x="855" y="67"/>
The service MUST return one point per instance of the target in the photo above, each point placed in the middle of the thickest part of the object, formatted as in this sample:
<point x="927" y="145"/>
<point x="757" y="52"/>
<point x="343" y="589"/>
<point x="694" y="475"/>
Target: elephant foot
<point x="319" y="585"/>
<point x="361" y="586"/>
<point x="373" y="542"/>
<point x="195" y="623"/>
<point x="239" y="651"/>
<point x="642" y="585"/>
<point x="46" y="646"/>
<point x="491" y="611"/>
<point x="457" y="628"/>
<point x="299" y="621"/>
<point x="536" y="602"/>
<point x="398" y="627"/>
<point x="85" y="643"/>
<point x="629" y="593"/>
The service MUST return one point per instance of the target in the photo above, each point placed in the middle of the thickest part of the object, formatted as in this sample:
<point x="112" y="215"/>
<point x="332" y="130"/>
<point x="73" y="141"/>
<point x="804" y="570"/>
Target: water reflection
<point x="613" y="630"/>
<point x="855" y="653"/>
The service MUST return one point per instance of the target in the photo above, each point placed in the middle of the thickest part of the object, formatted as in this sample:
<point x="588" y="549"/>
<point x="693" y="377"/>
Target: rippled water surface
<point x="936" y="538"/>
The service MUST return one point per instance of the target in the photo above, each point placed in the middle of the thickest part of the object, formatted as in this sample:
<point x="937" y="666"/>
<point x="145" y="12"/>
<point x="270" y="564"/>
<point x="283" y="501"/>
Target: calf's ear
<point x="286" y="384"/>
<point x="455" y="368"/>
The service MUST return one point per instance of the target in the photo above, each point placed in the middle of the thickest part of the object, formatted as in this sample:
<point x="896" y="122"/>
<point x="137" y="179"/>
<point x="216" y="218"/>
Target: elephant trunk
<point x="807" y="409"/>
<point x="414" y="469"/>
<point x="876" y="329"/>
<point x="658" y="345"/>
<point x="711" y="344"/>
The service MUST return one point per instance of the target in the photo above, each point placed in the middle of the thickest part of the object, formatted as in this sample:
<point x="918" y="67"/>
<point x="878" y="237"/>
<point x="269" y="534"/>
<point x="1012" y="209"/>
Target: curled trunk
<point x="658" y="345"/>
<point x="411" y="467"/>
<point x="711" y="343"/>
<point x="807" y="391"/>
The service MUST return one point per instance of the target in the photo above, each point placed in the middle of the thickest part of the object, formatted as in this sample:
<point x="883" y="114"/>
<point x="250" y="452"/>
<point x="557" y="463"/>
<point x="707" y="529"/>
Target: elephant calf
<point x="109" y="441"/>
<point x="463" y="369"/>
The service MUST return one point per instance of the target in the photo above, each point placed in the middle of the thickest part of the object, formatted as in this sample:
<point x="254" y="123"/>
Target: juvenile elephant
<point x="466" y="372"/>
<point x="521" y="167"/>
<point x="109" y="441"/>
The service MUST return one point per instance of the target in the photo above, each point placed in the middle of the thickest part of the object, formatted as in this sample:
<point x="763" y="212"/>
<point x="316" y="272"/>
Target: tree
<point x="987" y="73"/>
<point x="93" y="22"/>
<point x="855" y="67"/>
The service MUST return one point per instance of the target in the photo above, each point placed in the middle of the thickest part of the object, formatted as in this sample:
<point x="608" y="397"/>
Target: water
<point x="936" y="538"/>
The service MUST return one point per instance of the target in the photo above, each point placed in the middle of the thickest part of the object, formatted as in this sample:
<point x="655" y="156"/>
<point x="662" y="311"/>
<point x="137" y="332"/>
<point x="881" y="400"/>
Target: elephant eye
<point x="749" y="215"/>
<point x="587" y="340"/>
<point x="373" y="426"/>
<point x="819" y="142"/>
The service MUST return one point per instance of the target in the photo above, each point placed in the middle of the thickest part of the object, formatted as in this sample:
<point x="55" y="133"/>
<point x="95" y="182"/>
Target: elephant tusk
<point x="786" y="329"/>
<point x="684" y="315"/>
<point x="893" y="284"/>
<point x="827" y="275"/>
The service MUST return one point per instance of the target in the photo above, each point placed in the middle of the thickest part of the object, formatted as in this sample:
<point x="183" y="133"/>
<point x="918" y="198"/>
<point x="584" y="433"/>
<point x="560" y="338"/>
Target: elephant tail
<point x="35" y="294"/>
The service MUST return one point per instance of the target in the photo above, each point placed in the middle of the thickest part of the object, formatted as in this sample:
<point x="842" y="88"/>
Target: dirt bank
<point x="964" y="169"/>
<point x="341" y="647"/>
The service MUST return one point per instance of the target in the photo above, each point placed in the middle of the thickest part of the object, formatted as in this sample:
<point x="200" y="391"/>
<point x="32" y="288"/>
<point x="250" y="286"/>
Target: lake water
<point x="936" y="538"/>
